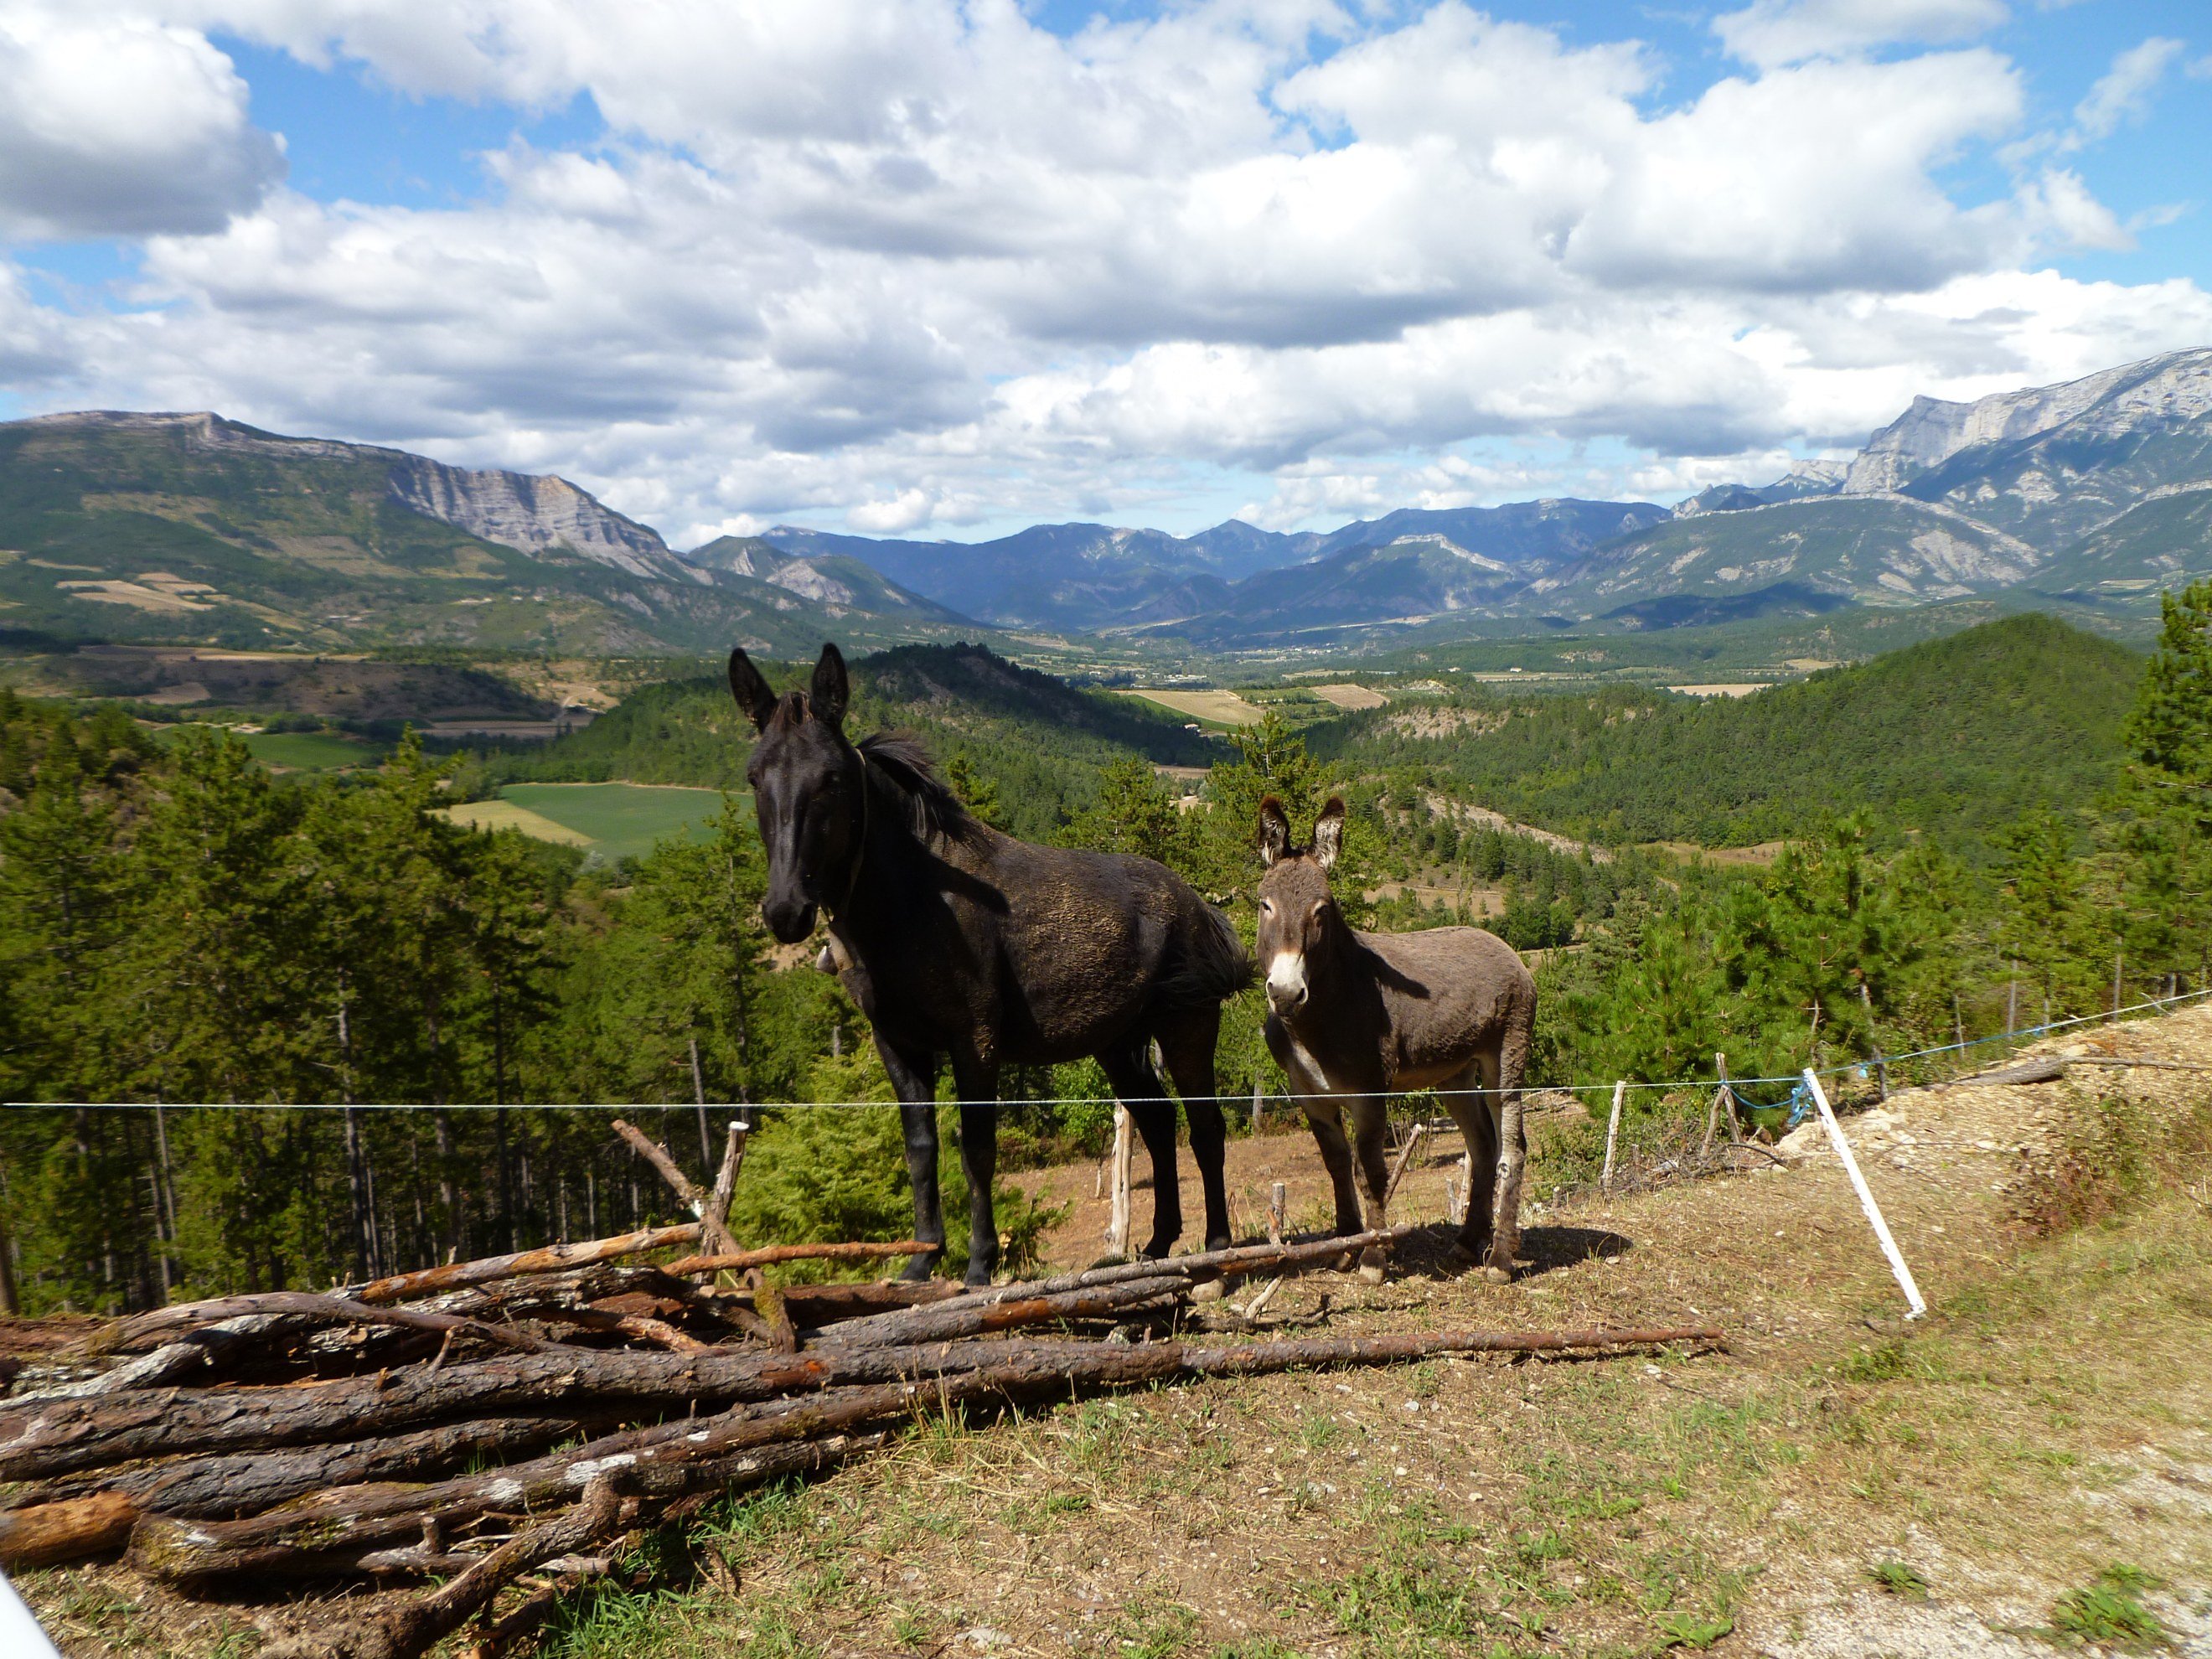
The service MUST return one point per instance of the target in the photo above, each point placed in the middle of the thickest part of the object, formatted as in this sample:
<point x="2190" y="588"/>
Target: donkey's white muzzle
<point x="1286" y="982"/>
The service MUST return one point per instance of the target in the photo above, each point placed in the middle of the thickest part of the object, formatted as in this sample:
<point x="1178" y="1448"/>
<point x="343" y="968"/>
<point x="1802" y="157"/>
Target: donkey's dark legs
<point x="1128" y="1068"/>
<point x="914" y="1078"/>
<point x="1187" y="1043"/>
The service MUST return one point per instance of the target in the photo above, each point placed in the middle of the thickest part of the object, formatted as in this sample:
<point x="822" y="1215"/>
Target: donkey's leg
<point x="915" y="1078"/>
<point x="1128" y="1068"/>
<point x="978" y="1083"/>
<point x="1512" y="1142"/>
<point x="1467" y="1097"/>
<point x="1187" y="1043"/>
<point x="1370" y="1123"/>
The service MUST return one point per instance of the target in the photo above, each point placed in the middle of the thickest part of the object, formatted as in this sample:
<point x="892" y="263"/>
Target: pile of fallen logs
<point x="519" y="1421"/>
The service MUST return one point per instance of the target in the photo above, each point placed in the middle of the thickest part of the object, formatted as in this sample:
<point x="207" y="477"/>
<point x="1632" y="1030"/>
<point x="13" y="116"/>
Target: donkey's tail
<point x="1213" y="968"/>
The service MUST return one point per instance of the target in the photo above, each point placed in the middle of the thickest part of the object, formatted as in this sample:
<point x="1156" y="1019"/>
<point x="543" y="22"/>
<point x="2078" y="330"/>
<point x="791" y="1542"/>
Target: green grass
<point x="310" y="751"/>
<point x="621" y="820"/>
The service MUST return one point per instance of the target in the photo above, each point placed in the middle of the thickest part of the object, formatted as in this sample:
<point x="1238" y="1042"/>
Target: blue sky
<point x="920" y="268"/>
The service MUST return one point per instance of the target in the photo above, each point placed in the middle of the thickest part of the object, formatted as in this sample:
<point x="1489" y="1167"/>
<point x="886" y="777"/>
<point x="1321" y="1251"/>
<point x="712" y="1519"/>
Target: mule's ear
<point x="1328" y="832"/>
<point x="1274" y="830"/>
<point x="754" y="694"/>
<point x="826" y="697"/>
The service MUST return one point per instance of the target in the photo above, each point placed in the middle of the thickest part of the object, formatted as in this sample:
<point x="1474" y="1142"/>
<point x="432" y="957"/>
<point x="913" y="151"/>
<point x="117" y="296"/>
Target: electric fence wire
<point x="1845" y="1068"/>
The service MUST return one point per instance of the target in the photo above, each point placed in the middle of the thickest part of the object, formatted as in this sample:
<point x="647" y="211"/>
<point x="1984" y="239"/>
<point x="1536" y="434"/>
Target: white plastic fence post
<point x="1912" y="1296"/>
<point x="1613" y="1133"/>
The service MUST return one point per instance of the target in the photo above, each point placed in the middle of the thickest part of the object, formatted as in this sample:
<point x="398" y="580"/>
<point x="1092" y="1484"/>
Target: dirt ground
<point x="2018" y="1470"/>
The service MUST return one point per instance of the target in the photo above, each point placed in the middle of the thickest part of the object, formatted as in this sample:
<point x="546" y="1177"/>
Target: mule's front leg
<point x="1323" y="1119"/>
<point x="914" y="1078"/>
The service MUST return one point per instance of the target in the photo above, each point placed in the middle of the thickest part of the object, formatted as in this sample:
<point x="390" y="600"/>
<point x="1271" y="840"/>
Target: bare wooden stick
<point x="551" y="1259"/>
<point x="715" y="1230"/>
<point x="657" y="1155"/>
<point x="1235" y="1262"/>
<point x="1612" y="1135"/>
<point x="308" y="1304"/>
<point x="420" y="1624"/>
<point x="336" y="1529"/>
<point x="41" y="1534"/>
<point x="1404" y="1159"/>
<point x="1117" y="1222"/>
<point x="769" y="1254"/>
<point x="1278" y="1200"/>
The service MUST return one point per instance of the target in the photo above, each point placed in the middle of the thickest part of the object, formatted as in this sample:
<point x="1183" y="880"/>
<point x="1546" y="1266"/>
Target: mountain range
<point x="2095" y="493"/>
<point x="193" y="528"/>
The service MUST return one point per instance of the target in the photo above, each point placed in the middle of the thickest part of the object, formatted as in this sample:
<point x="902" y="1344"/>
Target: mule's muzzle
<point x="790" y="918"/>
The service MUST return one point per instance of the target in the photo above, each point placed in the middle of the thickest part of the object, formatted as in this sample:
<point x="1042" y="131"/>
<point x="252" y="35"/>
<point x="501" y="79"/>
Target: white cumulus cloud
<point x="119" y="126"/>
<point x="917" y="262"/>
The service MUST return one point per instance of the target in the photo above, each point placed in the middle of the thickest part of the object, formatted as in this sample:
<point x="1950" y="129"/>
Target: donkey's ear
<point x="1274" y="830"/>
<point x="753" y="693"/>
<point x="1328" y="832"/>
<point x="827" y="695"/>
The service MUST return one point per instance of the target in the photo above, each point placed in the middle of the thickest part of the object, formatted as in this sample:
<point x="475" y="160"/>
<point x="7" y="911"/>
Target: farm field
<point x="2024" y="1468"/>
<point x="615" y="820"/>
<point x="1348" y="696"/>
<point x="306" y="752"/>
<point x="1220" y="708"/>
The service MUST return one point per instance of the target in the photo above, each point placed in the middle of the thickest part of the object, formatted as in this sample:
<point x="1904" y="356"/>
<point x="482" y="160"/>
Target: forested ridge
<point x="1039" y="742"/>
<point x="1956" y="737"/>
<point x="179" y="926"/>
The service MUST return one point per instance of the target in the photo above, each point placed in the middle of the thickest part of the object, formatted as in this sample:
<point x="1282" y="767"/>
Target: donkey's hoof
<point x="919" y="1268"/>
<point x="1211" y="1290"/>
<point x="1373" y="1265"/>
<point x="1494" y="1274"/>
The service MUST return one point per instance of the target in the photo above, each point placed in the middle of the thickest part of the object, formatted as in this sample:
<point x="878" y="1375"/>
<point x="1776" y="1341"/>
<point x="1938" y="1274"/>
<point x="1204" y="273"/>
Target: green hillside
<point x="1954" y="737"/>
<point x="153" y="531"/>
<point x="1038" y="742"/>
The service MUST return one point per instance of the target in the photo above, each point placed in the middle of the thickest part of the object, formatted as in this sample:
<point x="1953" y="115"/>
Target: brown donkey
<point x="1356" y="1017"/>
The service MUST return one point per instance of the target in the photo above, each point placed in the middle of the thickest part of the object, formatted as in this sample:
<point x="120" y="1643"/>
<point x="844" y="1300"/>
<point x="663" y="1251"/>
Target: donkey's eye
<point x="1320" y="907"/>
<point x="1266" y="907"/>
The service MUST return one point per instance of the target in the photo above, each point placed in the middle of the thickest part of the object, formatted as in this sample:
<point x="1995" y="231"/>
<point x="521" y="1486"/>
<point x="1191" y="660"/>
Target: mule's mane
<point x="900" y="775"/>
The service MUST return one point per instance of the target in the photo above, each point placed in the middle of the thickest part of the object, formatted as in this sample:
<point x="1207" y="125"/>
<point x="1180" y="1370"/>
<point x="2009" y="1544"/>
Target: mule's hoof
<point x="918" y="1269"/>
<point x="1211" y="1290"/>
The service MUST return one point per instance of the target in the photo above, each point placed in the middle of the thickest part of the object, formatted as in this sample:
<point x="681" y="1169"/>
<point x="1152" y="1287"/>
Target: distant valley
<point x="2085" y="498"/>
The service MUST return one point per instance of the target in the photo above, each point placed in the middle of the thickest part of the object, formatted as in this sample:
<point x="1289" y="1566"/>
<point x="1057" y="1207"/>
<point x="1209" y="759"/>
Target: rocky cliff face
<point x="533" y="515"/>
<point x="2164" y="391"/>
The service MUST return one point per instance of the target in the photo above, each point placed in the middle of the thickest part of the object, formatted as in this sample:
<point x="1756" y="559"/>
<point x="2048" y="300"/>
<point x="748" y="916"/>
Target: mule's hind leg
<point x="1512" y="1138"/>
<point x="1187" y="1040"/>
<point x="1473" y="1107"/>
<point x="1128" y="1068"/>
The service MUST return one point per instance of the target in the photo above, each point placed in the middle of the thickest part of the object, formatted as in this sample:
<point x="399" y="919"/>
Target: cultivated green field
<point x="310" y="751"/>
<point x="615" y="820"/>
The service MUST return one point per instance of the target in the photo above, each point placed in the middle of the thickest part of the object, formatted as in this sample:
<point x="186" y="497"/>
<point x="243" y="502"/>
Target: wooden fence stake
<point x="1612" y="1134"/>
<point x="1405" y="1158"/>
<point x="1912" y="1296"/>
<point x="2116" y="988"/>
<point x="1117" y="1225"/>
<point x="1278" y="1199"/>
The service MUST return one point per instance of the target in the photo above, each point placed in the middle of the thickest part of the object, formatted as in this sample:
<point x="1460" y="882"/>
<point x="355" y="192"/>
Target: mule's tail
<point x="1213" y="968"/>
